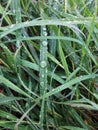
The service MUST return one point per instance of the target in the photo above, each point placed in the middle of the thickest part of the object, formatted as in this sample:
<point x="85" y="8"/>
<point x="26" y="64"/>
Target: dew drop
<point x="8" y="39"/>
<point x="43" y="64"/>
<point x="13" y="10"/>
<point x="7" y="116"/>
<point x="42" y="83"/>
<point x="63" y="19"/>
<point x="46" y="71"/>
<point x="53" y="90"/>
<point x="26" y="22"/>
<point x="40" y="116"/>
<point x="42" y="75"/>
<point x="55" y="8"/>
<point x="44" y="29"/>
<point x="31" y="17"/>
<point x="44" y="43"/>
<point x="12" y="26"/>
<point x="90" y="1"/>
<point x="24" y="36"/>
<point x="81" y="76"/>
<point x="18" y="43"/>
<point x="59" y="90"/>
<point x="45" y="33"/>
<point x="75" y="88"/>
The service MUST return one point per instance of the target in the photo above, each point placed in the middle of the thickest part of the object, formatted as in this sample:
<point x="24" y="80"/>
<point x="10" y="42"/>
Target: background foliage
<point x="48" y="65"/>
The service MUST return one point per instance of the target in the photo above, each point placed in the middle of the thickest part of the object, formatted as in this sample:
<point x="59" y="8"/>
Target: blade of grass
<point x="69" y="84"/>
<point x="13" y="87"/>
<point x="63" y="22"/>
<point x="63" y="60"/>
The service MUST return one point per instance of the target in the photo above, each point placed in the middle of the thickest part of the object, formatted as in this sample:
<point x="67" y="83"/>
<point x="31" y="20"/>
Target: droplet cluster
<point x="43" y="61"/>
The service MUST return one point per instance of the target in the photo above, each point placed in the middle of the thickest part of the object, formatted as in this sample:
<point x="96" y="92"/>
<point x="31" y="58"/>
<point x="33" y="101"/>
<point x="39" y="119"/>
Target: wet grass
<point x="48" y="65"/>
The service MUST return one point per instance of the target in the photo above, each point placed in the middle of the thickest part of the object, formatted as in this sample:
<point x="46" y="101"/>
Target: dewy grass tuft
<point x="48" y="64"/>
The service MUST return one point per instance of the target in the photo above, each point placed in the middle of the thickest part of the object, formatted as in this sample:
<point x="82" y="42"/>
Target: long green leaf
<point x="13" y="87"/>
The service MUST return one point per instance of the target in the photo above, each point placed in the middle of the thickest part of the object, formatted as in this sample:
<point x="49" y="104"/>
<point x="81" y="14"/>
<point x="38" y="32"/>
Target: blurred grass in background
<point x="48" y="65"/>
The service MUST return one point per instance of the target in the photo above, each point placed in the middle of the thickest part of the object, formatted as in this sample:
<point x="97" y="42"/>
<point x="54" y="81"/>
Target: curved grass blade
<point x="46" y="22"/>
<point x="13" y="87"/>
<point x="69" y="84"/>
<point x="63" y="60"/>
<point x="6" y="100"/>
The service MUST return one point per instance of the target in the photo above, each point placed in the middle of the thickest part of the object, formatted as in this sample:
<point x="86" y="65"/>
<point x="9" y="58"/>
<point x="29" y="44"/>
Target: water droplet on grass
<point x="42" y="83"/>
<point x="43" y="64"/>
<point x="55" y="8"/>
<point x="44" y="43"/>
<point x="45" y="33"/>
<point x="7" y="116"/>
<point x="24" y="36"/>
<point x="44" y="29"/>
<point x="12" y="26"/>
<point x="53" y="90"/>
<point x="46" y="71"/>
<point x="31" y="17"/>
<point x="42" y="75"/>
<point x="13" y="10"/>
<point x="26" y="22"/>
<point x="18" y="44"/>
<point x="81" y="76"/>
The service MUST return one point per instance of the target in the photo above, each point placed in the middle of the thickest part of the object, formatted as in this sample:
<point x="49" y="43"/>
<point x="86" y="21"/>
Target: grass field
<point x="48" y="64"/>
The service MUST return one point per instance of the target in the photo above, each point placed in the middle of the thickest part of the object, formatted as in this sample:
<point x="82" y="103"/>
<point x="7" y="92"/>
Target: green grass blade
<point x="69" y="84"/>
<point x="13" y="87"/>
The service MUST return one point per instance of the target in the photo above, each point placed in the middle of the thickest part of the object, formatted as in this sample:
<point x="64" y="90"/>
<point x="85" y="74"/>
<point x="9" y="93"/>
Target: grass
<point x="48" y="65"/>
